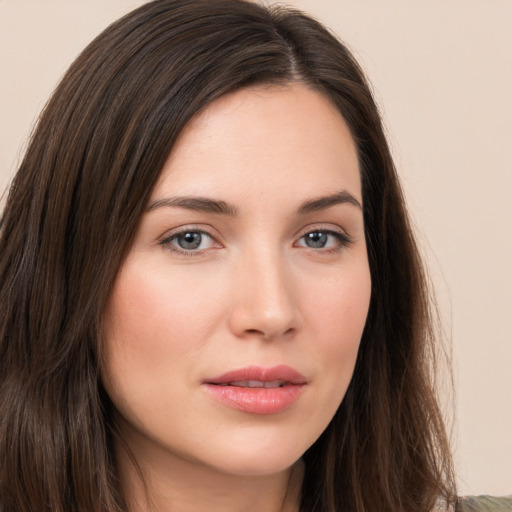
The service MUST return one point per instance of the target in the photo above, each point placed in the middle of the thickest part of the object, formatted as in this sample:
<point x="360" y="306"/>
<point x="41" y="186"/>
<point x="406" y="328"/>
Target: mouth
<point x="254" y="384"/>
<point x="258" y="377"/>
<point x="257" y="390"/>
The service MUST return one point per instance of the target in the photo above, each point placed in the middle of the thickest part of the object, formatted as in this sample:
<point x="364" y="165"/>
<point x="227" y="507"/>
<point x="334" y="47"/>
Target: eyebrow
<point x="197" y="204"/>
<point x="207" y="205"/>
<point x="322" y="203"/>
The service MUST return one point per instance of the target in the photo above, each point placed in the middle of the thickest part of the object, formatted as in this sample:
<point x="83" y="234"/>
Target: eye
<point x="324" y="239"/>
<point x="189" y="241"/>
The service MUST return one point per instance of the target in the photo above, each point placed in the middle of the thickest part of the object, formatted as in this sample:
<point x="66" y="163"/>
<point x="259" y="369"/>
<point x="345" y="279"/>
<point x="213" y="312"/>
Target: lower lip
<point x="257" y="400"/>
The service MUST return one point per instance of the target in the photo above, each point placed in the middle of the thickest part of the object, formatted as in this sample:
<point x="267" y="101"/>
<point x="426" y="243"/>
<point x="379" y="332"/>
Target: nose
<point x="265" y="302"/>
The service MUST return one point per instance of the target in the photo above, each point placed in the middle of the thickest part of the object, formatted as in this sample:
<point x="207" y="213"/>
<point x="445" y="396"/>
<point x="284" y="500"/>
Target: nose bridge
<point x="264" y="301"/>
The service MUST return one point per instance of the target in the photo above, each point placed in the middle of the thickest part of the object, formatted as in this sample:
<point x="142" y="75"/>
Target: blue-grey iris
<point x="190" y="240"/>
<point x="316" y="239"/>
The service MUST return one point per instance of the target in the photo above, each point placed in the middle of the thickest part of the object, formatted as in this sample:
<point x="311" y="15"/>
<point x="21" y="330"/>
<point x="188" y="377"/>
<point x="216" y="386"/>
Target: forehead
<point x="260" y="138"/>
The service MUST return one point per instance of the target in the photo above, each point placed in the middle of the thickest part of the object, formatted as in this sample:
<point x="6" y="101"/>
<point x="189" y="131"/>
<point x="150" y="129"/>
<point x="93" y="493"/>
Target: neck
<point x="186" y="486"/>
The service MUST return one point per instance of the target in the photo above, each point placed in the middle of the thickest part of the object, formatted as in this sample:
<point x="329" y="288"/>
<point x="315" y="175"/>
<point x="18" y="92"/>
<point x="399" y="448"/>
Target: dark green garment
<point x="485" y="504"/>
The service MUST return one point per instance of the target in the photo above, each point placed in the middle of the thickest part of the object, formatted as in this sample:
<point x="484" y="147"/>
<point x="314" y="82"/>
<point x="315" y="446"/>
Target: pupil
<point x="316" y="239"/>
<point x="190" y="241"/>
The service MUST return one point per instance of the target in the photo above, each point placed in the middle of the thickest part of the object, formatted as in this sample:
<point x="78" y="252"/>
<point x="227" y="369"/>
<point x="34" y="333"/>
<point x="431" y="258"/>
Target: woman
<point x="179" y="334"/>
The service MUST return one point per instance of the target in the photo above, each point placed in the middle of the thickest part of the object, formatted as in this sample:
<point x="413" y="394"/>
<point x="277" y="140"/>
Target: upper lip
<point x="283" y="373"/>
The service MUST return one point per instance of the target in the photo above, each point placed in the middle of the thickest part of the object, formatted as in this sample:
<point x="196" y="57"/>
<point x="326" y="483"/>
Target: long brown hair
<point x="71" y="214"/>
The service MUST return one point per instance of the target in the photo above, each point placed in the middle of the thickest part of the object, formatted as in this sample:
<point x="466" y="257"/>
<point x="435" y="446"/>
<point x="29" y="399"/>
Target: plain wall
<point x="442" y="73"/>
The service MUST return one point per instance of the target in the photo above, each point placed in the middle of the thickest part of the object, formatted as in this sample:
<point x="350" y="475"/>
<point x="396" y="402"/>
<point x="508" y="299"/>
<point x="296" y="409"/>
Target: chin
<point x="259" y="457"/>
<point x="257" y="467"/>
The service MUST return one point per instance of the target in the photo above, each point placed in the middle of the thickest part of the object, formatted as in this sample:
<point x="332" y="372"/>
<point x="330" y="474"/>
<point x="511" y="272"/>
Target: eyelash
<point x="168" y="245"/>
<point x="343" y="240"/>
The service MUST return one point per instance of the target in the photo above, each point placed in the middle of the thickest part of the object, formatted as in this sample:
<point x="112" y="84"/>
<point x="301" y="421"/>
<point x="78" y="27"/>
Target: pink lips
<point x="258" y="390"/>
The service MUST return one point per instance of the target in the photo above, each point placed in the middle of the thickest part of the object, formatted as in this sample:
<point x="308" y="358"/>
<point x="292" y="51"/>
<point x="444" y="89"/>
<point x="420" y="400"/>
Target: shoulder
<point x="485" y="504"/>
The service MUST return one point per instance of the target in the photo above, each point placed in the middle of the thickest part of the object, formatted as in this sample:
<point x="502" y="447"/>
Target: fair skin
<point x="251" y="254"/>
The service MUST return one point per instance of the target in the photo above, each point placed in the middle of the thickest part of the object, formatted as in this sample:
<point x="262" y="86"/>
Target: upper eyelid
<point x="341" y="237"/>
<point x="166" y="242"/>
<point x="187" y="229"/>
<point x="209" y="231"/>
<point x="322" y="226"/>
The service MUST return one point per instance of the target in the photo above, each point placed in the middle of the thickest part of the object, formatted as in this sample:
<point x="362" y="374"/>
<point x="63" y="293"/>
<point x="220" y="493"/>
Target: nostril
<point x="255" y="331"/>
<point x="268" y="336"/>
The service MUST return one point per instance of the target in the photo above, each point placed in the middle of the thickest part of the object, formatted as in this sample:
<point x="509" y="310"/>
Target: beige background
<point x="442" y="71"/>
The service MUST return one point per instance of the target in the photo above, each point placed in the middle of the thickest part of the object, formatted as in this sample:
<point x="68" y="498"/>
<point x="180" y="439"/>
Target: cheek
<point x="339" y="305"/>
<point x="338" y="316"/>
<point x="152" y="331"/>
<point x="147" y="314"/>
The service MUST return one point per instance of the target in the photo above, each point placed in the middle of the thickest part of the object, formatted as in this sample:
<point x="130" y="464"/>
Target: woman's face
<point x="233" y="327"/>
